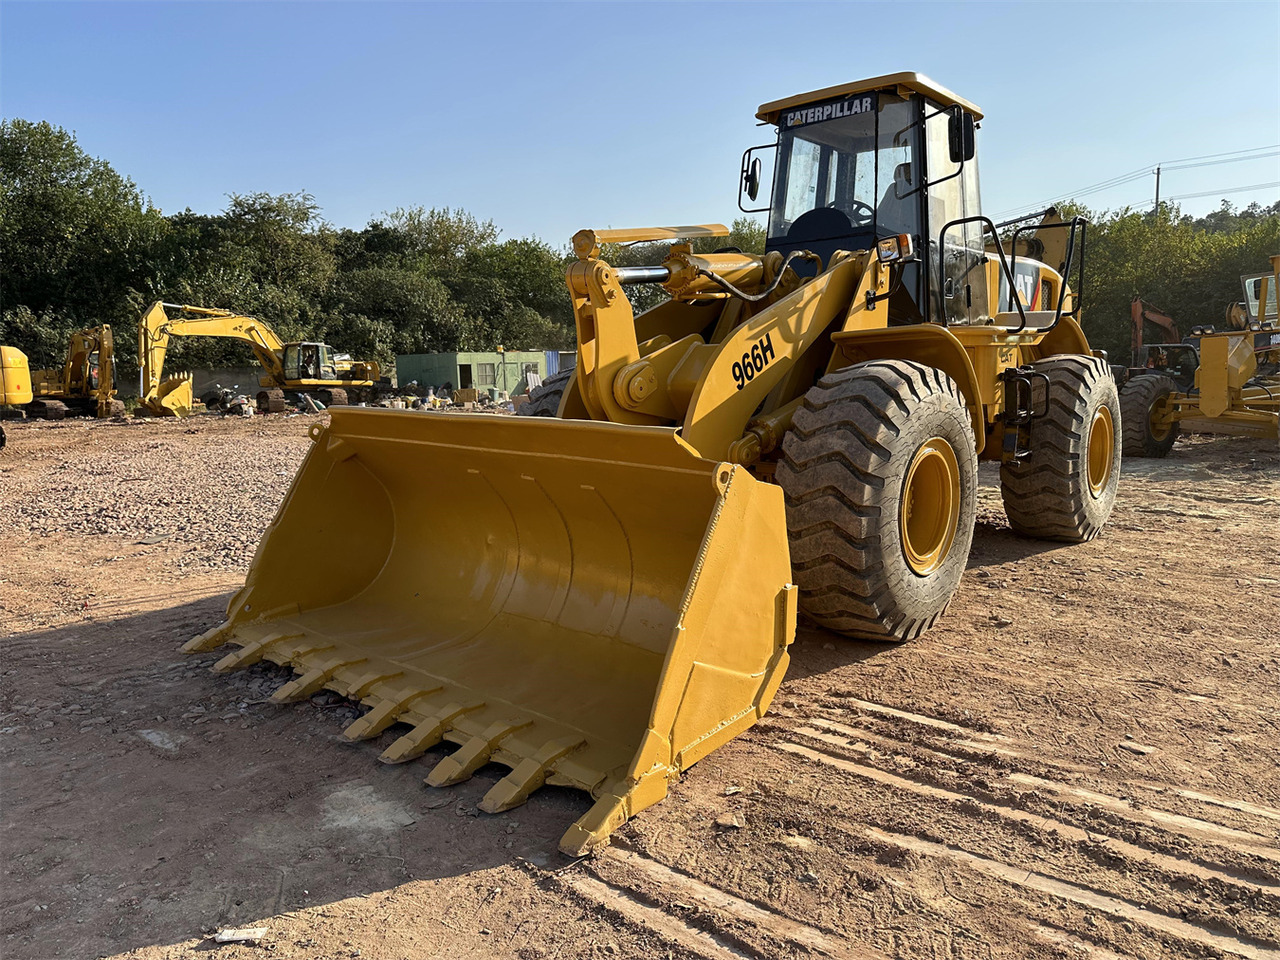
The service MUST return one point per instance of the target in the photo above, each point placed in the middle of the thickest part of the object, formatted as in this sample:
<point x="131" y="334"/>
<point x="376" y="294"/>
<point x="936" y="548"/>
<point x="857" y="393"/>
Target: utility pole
<point x="1157" y="188"/>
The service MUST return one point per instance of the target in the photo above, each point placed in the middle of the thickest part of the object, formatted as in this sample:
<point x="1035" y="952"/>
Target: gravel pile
<point x="209" y="483"/>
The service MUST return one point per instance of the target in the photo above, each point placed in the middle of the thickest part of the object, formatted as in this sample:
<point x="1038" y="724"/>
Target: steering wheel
<point x="862" y="214"/>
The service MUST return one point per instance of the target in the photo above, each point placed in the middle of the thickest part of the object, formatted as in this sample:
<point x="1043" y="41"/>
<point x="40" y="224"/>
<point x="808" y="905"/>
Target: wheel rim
<point x="1102" y="446"/>
<point x="930" y="506"/>
<point x="1159" y="420"/>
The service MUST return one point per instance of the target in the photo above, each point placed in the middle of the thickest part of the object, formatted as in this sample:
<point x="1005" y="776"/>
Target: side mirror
<point x="751" y="179"/>
<point x="751" y="176"/>
<point x="960" y="136"/>
<point x="1257" y="288"/>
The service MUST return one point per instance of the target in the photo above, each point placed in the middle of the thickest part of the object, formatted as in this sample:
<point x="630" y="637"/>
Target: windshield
<point x="1253" y="293"/>
<point x="837" y="177"/>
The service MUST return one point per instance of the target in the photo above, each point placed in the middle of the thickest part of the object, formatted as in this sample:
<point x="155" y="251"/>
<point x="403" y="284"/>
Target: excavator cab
<point x="309" y="361"/>
<point x="865" y="165"/>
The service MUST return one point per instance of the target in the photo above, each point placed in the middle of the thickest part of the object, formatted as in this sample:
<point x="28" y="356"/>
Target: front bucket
<point x="590" y="604"/>
<point x="173" y="399"/>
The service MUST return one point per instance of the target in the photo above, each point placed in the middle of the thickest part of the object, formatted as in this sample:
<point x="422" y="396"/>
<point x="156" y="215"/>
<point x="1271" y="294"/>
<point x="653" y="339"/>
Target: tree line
<point x="82" y="245"/>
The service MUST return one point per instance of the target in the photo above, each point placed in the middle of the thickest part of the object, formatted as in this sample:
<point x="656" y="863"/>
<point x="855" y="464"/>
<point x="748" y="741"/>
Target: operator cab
<point x="868" y="161"/>
<point x="309" y="361"/>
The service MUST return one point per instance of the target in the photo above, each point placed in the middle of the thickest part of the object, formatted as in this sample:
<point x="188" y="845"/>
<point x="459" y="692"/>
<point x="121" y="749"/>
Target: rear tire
<point x="879" y="471"/>
<point x="1065" y="488"/>
<point x="1138" y="401"/>
<point x="544" y="401"/>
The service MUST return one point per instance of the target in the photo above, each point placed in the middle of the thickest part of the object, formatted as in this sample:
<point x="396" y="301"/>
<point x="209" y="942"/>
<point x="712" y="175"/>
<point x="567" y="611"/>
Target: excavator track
<point x="271" y="401"/>
<point x="47" y="410"/>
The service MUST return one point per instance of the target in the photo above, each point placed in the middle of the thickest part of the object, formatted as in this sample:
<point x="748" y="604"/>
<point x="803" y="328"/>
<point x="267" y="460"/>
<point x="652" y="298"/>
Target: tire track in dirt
<point x="1084" y="896"/>
<point x="623" y="903"/>
<point x="1257" y="810"/>
<point x="677" y="886"/>
<point x="1239" y="840"/>
<point x="649" y="891"/>
<point x="978" y="743"/>
<point x="1166" y="864"/>
<point x="1246" y="841"/>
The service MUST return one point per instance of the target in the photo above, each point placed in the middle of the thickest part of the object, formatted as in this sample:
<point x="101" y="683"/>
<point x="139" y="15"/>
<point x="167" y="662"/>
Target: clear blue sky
<point x="550" y="117"/>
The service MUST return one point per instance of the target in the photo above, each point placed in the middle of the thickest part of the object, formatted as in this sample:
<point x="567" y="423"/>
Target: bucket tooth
<point x="529" y="774"/>
<point x="617" y="803"/>
<point x="211" y="639"/>
<point x="311" y="682"/>
<point x="426" y="734"/>
<point x="593" y="828"/>
<point x="249" y="654"/>
<point x="382" y="716"/>
<point x="359" y="688"/>
<point x="472" y="755"/>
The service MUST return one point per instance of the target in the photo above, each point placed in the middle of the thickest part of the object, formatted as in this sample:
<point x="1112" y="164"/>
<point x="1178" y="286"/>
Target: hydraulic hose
<point x="729" y="288"/>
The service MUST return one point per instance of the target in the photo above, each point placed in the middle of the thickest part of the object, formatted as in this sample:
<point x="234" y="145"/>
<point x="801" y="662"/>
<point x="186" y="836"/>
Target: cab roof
<point x="914" y="82"/>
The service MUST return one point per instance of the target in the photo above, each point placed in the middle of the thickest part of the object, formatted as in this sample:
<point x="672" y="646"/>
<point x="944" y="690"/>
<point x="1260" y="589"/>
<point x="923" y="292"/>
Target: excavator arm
<point x="157" y="327"/>
<point x="1139" y="312"/>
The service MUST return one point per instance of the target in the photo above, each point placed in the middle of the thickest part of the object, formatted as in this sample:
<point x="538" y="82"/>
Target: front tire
<point x="1141" y="399"/>
<point x="1065" y="488"/>
<point x="544" y="401"/>
<point x="879" y="471"/>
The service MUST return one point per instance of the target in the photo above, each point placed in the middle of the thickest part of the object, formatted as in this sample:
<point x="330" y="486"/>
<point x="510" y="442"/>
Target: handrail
<point x="1007" y="266"/>
<point x="1077" y="301"/>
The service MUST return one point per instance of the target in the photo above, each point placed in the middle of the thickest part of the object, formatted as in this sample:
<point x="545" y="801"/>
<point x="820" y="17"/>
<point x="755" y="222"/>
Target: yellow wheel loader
<point x="289" y="368"/>
<point x="15" y="383"/>
<point x="600" y="597"/>
<point x="84" y="385"/>
<point x="1213" y="381"/>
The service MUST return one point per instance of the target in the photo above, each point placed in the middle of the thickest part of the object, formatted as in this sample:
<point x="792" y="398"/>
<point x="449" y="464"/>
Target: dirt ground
<point x="1082" y="760"/>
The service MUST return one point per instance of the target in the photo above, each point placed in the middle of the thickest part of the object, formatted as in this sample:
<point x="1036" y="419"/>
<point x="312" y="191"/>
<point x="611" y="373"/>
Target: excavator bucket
<point x="174" y="398"/>
<point x="589" y="604"/>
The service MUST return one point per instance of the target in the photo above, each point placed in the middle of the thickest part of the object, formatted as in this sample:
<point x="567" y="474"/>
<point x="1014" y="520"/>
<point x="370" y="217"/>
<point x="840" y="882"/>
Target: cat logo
<point x="848" y="107"/>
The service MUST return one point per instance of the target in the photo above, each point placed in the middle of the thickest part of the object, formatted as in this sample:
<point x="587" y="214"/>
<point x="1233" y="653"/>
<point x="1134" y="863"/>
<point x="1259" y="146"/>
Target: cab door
<point x="959" y="266"/>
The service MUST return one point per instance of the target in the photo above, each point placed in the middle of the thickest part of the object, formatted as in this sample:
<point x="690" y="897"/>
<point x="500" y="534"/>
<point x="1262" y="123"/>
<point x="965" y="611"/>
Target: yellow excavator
<point x="85" y="383"/>
<point x="289" y="368"/>
<point x="600" y="596"/>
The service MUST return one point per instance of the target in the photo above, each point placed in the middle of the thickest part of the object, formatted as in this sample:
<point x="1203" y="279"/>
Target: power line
<point x="1211" y="193"/>
<point x="1212" y="159"/>
<point x="1229" y="153"/>
<point x="1214" y="163"/>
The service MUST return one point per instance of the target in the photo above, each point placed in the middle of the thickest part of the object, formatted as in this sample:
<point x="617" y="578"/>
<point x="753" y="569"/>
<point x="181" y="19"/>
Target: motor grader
<point x="1212" y="381"/>
<point x="289" y="368"/>
<point x="601" y="597"/>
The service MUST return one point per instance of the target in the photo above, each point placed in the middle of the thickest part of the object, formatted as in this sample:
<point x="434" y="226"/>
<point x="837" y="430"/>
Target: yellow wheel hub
<point x="930" y="506"/>
<point x="1160" y="420"/>
<point x="1102" y="448"/>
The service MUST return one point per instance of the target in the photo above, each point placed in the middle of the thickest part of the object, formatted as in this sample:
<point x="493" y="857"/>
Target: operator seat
<point x="894" y="215"/>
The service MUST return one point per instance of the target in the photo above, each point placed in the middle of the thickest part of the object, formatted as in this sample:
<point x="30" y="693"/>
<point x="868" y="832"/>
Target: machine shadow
<point x="149" y="801"/>
<point x="820" y="651"/>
